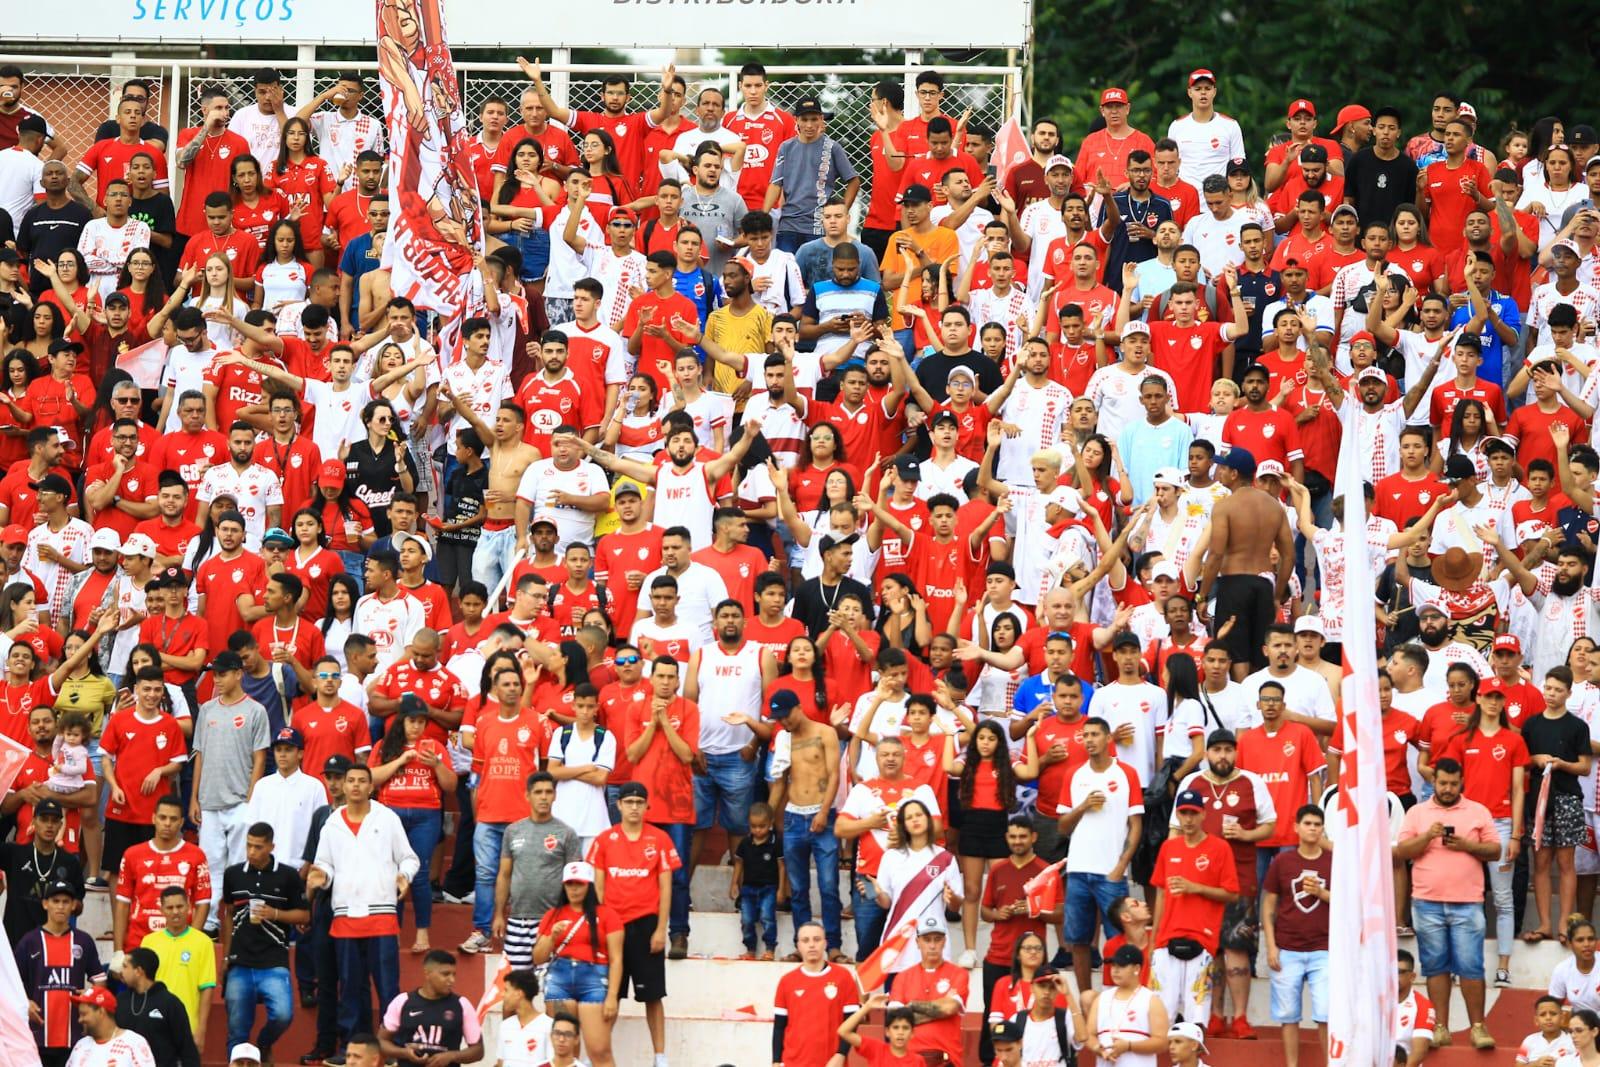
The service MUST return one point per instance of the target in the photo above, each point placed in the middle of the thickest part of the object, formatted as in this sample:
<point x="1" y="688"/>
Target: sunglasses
<point x="627" y="661"/>
<point x="328" y="674"/>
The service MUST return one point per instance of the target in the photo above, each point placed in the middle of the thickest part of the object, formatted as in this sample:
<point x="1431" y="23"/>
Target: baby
<point x="69" y="753"/>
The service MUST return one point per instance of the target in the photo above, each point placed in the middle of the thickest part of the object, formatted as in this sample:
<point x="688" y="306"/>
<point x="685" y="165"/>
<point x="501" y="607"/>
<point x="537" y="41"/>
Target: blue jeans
<point x="355" y="565"/>
<point x="869" y="917"/>
<point x="682" y="835"/>
<point x="364" y="963"/>
<point x="1449" y="938"/>
<point x="424" y="827"/>
<point x="758" y="904"/>
<point x="1086" y="893"/>
<point x="722" y="794"/>
<point x="800" y="845"/>
<point x="494" y="557"/>
<point x="486" y="837"/>
<point x="248" y="986"/>
<point x="791" y="242"/>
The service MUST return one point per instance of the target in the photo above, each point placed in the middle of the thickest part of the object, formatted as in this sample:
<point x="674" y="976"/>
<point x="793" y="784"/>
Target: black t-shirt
<point x="463" y="496"/>
<point x="1566" y="738"/>
<point x="435" y="1025"/>
<point x="150" y="131"/>
<point x="1264" y="287"/>
<point x="811" y="605"/>
<point x="27" y="873"/>
<point x="934" y="373"/>
<point x="157" y="213"/>
<point x="1152" y="212"/>
<point x="263" y="944"/>
<point x="46" y="230"/>
<point x="1378" y="186"/>
<point x="371" y="478"/>
<point x="760" y="860"/>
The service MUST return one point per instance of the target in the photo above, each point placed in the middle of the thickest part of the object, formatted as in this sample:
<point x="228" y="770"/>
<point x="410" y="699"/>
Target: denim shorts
<point x="575" y="980"/>
<point x="1298" y="970"/>
<point x="1087" y="893"/>
<point x="1449" y="938"/>
<point x="723" y="793"/>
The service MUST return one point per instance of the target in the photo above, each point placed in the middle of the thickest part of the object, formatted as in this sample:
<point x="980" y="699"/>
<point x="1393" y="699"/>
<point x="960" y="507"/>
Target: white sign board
<point x="535" y="26"/>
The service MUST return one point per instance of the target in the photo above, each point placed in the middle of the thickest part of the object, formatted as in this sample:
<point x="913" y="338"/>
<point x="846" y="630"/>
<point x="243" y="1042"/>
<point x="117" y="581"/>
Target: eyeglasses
<point x="624" y="223"/>
<point x="124" y="400"/>
<point x="627" y="661"/>
<point x="382" y="419"/>
<point x="125" y="437"/>
<point x="327" y="674"/>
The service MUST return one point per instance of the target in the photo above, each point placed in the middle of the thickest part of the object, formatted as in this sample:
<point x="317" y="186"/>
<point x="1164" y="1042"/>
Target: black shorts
<point x="954" y="817"/>
<point x="983" y="834"/>
<point x="119" y="837"/>
<point x="646" y="970"/>
<point x="878" y="241"/>
<point x="1248" y="600"/>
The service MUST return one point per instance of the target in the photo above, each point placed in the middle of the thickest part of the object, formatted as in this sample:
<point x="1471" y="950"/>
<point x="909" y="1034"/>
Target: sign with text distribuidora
<point x="535" y="27"/>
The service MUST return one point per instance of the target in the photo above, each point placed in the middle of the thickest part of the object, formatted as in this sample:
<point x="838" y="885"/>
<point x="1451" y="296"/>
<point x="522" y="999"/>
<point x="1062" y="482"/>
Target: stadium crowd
<point x="965" y="550"/>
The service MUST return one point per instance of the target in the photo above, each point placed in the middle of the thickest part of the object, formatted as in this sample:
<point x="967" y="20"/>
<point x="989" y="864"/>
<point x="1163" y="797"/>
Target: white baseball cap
<point x="107" y="539"/>
<point x="577" y="871"/>
<point x="1309" y="624"/>
<point x="139" y="545"/>
<point x="246" y="1051"/>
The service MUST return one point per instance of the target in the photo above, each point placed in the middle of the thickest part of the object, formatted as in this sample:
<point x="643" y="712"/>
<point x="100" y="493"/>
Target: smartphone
<point x="991" y="171"/>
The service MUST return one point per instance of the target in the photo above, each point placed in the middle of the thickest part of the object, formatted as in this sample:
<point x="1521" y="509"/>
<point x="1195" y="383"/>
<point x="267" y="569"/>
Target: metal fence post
<point x="560" y="77"/>
<point x="305" y="88"/>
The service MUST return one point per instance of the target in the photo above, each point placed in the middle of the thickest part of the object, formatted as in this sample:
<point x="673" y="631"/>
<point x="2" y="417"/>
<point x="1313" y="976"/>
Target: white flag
<point x="1361" y="938"/>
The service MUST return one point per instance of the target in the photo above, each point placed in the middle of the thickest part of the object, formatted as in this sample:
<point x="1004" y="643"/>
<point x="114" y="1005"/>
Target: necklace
<point x="137" y="1002"/>
<point x="38" y="862"/>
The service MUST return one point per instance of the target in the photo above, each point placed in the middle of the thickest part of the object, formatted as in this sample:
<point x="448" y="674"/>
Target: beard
<point x="1566" y="586"/>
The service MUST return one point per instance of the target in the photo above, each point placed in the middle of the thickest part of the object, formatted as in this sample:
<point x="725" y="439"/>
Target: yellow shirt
<point x="188" y="965"/>
<point x="740" y="335"/>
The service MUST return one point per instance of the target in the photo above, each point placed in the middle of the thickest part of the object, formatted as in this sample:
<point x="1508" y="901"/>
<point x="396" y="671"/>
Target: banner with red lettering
<point x="16" y="1040"/>
<point x="1361" y="938"/>
<point x="436" y="222"/>
<point x="1044" y="891"/>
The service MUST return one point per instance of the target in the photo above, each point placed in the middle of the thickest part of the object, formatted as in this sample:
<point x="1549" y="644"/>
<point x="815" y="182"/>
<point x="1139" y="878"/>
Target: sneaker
<point x="1216" y="1027"/>
<point x="96" y="885"/>
<point x="679" y="949"/>
<point x="478" y="942"/>
<point x="334" y="1061"/>
<point x="1242" y="1029"/>
<point x="1481" y="1038"/>
<point x="1502" y="978"/>
<point x="968" y="960"/>
<point x="451" y="898"/>
<point x="314" y="1057"/>
<point x="1441" y="1036"/>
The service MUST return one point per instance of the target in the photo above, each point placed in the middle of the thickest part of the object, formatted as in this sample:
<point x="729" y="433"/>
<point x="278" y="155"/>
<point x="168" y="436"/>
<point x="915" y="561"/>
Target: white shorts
<point x="1184" y="986"/>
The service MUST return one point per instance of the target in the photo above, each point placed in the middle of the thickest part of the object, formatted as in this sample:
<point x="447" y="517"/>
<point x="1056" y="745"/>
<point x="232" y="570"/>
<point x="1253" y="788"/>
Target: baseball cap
<point x="168" y="578"/>
<point x="916" y="193"/>
<point x="633" y="789"/>
<point x="331" y="473"/>
<point x="960" y="372"/>
<point x="99" y="996"/>
<point x="1133" y="955"/>
<point x="422" y="542"/>
<point x="1347" y="209"/>
<point x="1302" y="105"/>
<point x="1582" y="134"/>
<point x="830" y="542"/>
<point x="64" y="345"/>
<point x="1493" y="687"/>
<point x="139" y="545"/>
<point x="1201" y="75"/>
<point x="1238" y="165"/>
<point x="625" y="487"/>
<point x="810" y="105"/>
<point x="48" y="806"/>
<point x="1371" y="374"/>
<point x="227" y="660"/>
<point x="1238" y="459"/>
<point x="1465" y="110"/>
<point x="748" y="264"/>
<point x="244" y="1051"/>
<point x="931" y="924"/>
<point x="106" y="540"/>
<point x="1426" y="606"/>
<point x="1363" y="335"/>
<point x="622" y="213"/>
<point x="59" y="887"/>
<point x="908" y="469"/>
<point x="9" y="255"/>
<point x="118" y="297"/>
<point x="1189" y="800"/>
<point x="1221" y="737"/>
<point x="577" y="871"/>
<point x="542" y="520"/>
<point x="1269" y="468"/>
<point x="1170" y="476"/>
<point x="33" y="124"/>
<point x="1136" y="326"/>
<point x="1507" y="643"/>
<point x="289" y="736"/>
<point x="1057" y="161"/>
<point x="1348" y="114"/>
<point x="1113" y="96"/>
<point x="53" y="483"/>
<point x="411" y="706"/>
<point x="1459" y="468"/>
<point x="1569" y="245"/>
<point x="1165" y="569"/>
<point x="1008" y="1030"/>
<point x="15" y="534"/>
<point x="1313" y="153"/>
<point x="1309" y="624"/>
<point x="279" y="536"/>
<point x="999" y="568"/>
<point x="782" y="702"/>
<point x="1189" y="1032"/>
<point x="1126" y="639"/>
<point x="1045" y="974"/>
<point x="946" y="416"/>
<point x="337" y="763"/>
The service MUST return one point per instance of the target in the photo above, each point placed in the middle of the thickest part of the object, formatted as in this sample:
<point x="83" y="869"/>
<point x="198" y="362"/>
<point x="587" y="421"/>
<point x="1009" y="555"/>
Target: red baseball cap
<point x="1507" y="643"/>
<point x="1348" y="114"/>
<point x="1113" y="96"/>
<point x="1202" y="74"/>
<point x="331" y="473"/>
<point x="99" y="996"/>
<point x="15" y="534"/>
<point x="1302" y="105"/>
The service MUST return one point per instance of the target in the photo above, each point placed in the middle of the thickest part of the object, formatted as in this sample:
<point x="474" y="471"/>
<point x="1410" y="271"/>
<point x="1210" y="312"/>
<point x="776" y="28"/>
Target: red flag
<point x="870" y="971"/>
<point x="493" y="991"/>
<point x="1010" y="148"/>
<point x="145" y="363"/>
<point x="1044" y="890"/>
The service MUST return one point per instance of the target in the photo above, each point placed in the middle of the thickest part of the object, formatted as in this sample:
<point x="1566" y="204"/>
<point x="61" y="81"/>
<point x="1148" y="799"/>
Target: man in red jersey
<point x="1053" y="750"/>
<point x="347" y="213"/>
<point x="633" y="864"/>
<point x="169" y="530"/>
<point x="221" y="238"/>
<point x="162" y="859"/>
<point x="661" y="321"/>
<point x="1105" y="151"/>
<point x="762" y="126"/>
<point x="1187" y="349"/>
<point x="627" y="129"/>
<point x="810" y="1003"/>
<point x="1523" y="698"/>
<point x="1406" y="494"/>
<point x="1196" y="880"/>
<point x="553" y="138"/>
<point x="421" y="675"/>
<point x="1283" y="160"/>
<point x="231" y="583"/>
<point x="205" y="155"/>
<point x="184" y="639"/>
<point x="329" y="724"/>
<point x="1269" y="433"/>
<point x="118" y="494"/>
<point x="557" y="396"/>
<point x="936" y="990"/>
<point x="108" y="159"/>
<point x="737" y="562"/>
<point x="1450" y="188"/>
<point x="624" y="556"/>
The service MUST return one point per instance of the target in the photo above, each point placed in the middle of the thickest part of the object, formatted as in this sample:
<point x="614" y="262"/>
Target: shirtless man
<point x="805" y="776"/>
<point x="1245" y="527"/>
<point x="501" y="543"/>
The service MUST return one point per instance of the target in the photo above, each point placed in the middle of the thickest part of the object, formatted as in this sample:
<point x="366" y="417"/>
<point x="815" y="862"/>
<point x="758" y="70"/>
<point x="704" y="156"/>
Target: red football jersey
<point x="146" y="871"/>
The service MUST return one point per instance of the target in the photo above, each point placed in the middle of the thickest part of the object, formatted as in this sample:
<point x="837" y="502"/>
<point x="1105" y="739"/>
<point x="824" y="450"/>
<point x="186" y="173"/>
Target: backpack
<point x="566" y="738"/>
<point x="1069" y="1055"/>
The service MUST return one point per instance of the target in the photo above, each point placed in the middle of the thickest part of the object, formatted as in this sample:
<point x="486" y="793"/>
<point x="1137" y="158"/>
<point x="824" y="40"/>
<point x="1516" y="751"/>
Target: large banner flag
<point x="1361" y="937"/>
<point x="436" y="222"/>
<point x="1044" y="891"/>
<point x="873" y="971"/>
<point x="16" y="1040"/>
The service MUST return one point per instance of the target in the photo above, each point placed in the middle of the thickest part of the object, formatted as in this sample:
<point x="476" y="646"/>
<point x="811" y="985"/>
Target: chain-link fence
<point x="77" y="102"/>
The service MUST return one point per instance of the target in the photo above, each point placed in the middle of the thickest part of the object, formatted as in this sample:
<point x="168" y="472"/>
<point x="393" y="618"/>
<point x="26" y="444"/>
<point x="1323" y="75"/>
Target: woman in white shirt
<point x="581" y="756"/>
<point x="216" y="292"/>
<point x="901" y="867"/>
<point x="1549" y="196"/>
<point x="285" y="276"/>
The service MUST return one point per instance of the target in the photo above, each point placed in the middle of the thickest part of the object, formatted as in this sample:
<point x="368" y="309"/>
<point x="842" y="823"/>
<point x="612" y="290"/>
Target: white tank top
<point x="728" y="683"/>
<point x="684" y="500"/>
<point x="1125" y="1020"/>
